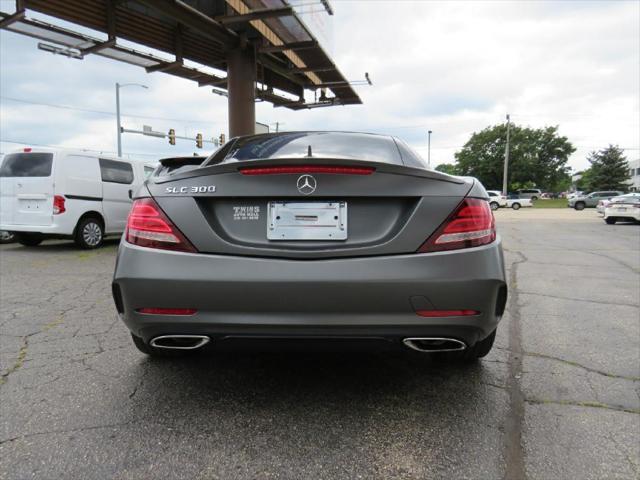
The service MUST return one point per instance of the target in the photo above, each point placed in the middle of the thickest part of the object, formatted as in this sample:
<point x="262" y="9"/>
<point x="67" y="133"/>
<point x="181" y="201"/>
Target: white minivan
<point x="47" y="193"/>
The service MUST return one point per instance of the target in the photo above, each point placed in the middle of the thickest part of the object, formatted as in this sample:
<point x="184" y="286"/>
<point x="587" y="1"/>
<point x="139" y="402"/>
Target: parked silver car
<point x="591" y="200"/>
<point x="602" y="204"/>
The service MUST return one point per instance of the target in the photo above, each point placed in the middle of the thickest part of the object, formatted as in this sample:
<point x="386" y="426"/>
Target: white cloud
<point x="452" y="67"/>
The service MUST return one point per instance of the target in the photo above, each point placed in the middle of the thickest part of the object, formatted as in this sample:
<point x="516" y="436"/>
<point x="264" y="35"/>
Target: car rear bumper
<point x="52" y="229"/>
<point x="630" y="214"/>
<point x="366" y="297"/>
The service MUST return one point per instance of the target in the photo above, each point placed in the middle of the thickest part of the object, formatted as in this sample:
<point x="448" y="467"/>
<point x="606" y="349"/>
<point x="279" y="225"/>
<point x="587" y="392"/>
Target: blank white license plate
<point x="621" y="209"/>
<point x="307" y="221"/>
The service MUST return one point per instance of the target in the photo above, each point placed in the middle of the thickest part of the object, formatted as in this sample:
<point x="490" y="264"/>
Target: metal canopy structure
<point x="265" y="49"/>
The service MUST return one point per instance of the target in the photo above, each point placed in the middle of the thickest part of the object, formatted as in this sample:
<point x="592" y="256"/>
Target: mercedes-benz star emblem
<point x="306" y="184"/>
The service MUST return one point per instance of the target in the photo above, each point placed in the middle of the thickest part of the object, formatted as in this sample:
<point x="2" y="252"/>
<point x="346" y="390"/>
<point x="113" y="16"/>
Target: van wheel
<point x="89" y="233"/>
<point x="494" y="205"/>
<point x="534" y="198"/>
<point x="516" y="206"/>
<point x="29" y="239"/>
<point x="579" y="206"/>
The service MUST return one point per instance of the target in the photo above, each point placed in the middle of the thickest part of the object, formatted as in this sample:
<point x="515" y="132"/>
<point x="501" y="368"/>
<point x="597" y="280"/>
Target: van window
<point x="27" y="165"/>
<point x="116" y="172"/>
<point x="148" y="171"/>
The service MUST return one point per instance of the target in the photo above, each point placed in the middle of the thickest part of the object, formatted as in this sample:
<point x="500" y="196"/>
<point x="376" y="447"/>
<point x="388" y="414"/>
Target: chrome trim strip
<point x="202" y="340"/>
<point x="409" y="342"/>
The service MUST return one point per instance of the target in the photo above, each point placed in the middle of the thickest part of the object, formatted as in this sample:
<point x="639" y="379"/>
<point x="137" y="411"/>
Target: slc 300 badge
<point x="203" y="189"/>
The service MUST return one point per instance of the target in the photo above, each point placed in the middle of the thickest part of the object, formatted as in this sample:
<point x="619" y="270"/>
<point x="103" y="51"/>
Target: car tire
<point x="89" y="233"/>
<point x="478" y="350"/>
<point x="516" y="206"/>
<point x="610" y="220"/>
<point x="494" y="205"/>
<point x="533" y="199"/>
<point x="157" y="352"/>
<point x="579" y="206"/>
<point x="29" y="239"/>
<point x="7" y="237"/>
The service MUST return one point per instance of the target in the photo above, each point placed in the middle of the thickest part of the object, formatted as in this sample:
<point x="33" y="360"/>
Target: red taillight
<point x="338" y="170"/>
<point x="471" y="225"/>
<point x="167" y="311"/>
<point x="447" y="313"/>
<point x="148" y="226"/>
<point x="27" y="149"/>
<point x="58" y="205"/>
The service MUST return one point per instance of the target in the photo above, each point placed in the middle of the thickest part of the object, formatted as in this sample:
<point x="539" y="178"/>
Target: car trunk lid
<point x="308" y="208"/>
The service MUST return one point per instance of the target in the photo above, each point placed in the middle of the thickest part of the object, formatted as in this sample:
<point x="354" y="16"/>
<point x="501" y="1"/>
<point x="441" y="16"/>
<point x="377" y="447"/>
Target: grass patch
<point x="550" y="203"/>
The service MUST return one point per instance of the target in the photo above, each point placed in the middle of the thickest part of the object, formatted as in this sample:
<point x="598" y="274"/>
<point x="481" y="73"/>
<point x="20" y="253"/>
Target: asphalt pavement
<point x="557" y="398"/>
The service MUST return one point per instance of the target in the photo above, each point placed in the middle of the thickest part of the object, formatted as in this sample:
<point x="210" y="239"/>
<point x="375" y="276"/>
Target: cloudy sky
<point x="453" y="67"/>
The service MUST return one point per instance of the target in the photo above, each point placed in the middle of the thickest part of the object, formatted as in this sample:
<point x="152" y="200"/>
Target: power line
<point x="102" y="112"/>
<point x="155" y="155"/>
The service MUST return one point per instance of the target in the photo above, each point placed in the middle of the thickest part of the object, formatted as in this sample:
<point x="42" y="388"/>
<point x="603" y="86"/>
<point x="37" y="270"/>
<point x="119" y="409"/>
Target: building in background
<point x="634" y="176"/>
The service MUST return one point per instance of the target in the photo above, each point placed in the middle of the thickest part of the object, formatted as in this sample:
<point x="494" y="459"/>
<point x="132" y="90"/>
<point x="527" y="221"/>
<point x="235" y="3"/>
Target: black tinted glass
<point x="116" y="172"/>
<point x="319" y="144"/>
<point x="409" y="157"/>
<point x="27" y="165"/>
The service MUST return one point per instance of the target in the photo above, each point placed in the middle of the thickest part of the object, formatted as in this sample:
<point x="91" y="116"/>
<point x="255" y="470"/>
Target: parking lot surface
<point x="558" y="397"/>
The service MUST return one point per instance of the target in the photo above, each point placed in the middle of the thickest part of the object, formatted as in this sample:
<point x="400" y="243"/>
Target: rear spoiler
<point x="237" y="166"/>
<point x="180" y="161"/>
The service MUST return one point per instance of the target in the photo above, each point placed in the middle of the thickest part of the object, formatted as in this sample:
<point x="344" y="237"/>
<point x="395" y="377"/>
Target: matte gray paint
<point x="395" y="209"/>
<point x="244" y="295"/>
<point x="366" y="287"/>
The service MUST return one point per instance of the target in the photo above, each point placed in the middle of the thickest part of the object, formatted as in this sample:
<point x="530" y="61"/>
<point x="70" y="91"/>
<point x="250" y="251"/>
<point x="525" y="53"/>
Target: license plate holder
<point x="293" y="220"/>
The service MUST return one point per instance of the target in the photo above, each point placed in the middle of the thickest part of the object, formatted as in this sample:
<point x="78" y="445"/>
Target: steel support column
<point x="241" y="78"/>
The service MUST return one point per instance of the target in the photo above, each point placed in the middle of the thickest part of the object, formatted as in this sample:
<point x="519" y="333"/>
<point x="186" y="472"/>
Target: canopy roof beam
<point x="256" y="15"/>
<point x="193" y="18"/>
<point x="289" y="46"/>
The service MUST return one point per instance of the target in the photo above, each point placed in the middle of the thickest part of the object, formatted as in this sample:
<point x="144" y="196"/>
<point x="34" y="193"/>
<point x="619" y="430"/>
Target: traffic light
<point x="199" y="140"/>
<point x="172" y="136"/>
<point x="222" y="139"/>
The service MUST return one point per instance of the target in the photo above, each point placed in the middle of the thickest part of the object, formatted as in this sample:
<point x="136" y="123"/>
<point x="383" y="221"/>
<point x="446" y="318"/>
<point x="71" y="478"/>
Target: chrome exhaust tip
<point x="434" y="344"/>
<point x="180" y="342"/>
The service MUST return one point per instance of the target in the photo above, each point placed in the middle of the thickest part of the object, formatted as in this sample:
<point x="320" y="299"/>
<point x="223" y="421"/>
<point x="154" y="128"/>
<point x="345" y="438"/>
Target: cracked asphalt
<point x="557" y="398"/>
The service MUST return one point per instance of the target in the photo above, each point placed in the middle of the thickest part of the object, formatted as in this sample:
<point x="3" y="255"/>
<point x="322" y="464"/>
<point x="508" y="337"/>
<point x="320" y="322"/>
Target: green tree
<point x="584" y="184"/>
<point x="537" y="158"/>
<point x="609" y="169"/>
<point x="449" y="168"/>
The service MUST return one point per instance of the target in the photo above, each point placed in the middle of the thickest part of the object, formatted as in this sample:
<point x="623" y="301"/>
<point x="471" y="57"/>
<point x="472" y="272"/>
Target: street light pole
<point x="118" y="119"/>
<point x="118" y="87"/>
<point x="506" y="161"/>
<point x="429" y="150"/>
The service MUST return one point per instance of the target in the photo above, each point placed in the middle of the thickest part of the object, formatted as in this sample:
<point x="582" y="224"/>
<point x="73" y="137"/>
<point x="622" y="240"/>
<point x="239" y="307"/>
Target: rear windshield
<point x="27" y="165"/>
<point x="355" y="146"/>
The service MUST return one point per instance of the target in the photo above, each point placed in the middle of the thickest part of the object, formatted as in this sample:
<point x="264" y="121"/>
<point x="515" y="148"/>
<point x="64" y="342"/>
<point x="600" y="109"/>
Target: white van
<point x="46" y="193"/>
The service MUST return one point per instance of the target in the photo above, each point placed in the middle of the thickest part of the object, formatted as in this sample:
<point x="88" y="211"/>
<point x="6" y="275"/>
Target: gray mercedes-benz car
<point x="301" y="236"/>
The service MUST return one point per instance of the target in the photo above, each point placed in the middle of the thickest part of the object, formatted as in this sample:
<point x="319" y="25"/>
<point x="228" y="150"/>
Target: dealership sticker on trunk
<point x="246" y="212"/>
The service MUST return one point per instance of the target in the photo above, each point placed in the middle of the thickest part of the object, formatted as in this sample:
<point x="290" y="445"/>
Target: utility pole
<point x="429" y="150"/>
<point x="118" y="87"/>
<point x="506" y="161"/>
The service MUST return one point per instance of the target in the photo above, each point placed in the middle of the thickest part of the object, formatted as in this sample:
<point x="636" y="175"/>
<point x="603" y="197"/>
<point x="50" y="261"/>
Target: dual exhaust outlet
<point x="421" y="344"/>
